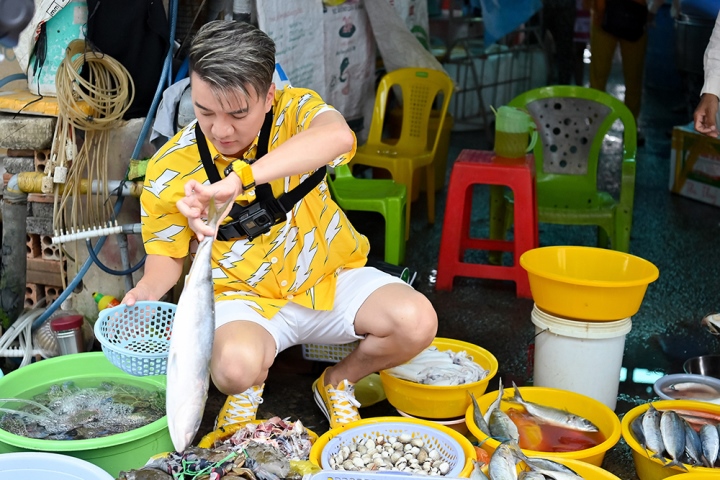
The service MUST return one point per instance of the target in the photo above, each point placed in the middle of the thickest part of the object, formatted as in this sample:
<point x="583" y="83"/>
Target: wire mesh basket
<point x="137" y="339"/>
<point x="327" y="353"/>
<point x="452" y="447"/>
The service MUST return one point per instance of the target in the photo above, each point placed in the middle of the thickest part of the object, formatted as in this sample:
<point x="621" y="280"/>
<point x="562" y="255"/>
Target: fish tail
<point x="517" y="397"/>
<point x="662" y="459"/>
<point x="215" y="214"/>
<point x="676" y="463"/>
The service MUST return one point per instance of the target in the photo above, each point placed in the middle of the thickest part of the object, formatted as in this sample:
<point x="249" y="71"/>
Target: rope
<point x="89" y="108"/>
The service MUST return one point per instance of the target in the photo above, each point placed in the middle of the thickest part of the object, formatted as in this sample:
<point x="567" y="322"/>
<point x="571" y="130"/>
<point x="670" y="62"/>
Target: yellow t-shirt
<point x="298" y="260"/>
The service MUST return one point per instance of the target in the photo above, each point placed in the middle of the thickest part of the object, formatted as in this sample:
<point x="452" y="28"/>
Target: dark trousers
<point x="560" y="22"/>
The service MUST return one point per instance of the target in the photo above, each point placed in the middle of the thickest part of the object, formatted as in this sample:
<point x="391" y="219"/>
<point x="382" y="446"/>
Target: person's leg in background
<point x="581" y="38"/>
<point x="560" y="22"/>
<point x="633" y="64"/>
<point x="602" y="48"/>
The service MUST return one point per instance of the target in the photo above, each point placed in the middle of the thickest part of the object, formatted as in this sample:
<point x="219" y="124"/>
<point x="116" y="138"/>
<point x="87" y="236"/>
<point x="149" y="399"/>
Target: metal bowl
<point x="708" y="365"/>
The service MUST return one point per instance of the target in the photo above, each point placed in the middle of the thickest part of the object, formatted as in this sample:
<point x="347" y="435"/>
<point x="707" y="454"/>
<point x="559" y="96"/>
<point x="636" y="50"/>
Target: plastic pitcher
<point x="515" y="132"/>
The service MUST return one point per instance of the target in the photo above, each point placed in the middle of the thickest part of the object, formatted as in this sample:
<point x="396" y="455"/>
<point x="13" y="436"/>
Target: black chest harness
<point x="259" y="216"/>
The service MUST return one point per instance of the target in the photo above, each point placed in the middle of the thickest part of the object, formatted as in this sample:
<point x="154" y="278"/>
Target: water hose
<point x="166" y="72"/>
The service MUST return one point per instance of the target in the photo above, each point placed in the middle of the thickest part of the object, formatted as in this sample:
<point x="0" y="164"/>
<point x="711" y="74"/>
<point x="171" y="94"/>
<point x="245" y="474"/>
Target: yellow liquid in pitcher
<point x="511" y="145"/>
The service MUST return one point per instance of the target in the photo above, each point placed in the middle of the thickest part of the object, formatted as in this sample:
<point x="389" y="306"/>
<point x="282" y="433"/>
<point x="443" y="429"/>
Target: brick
<point x="33" y="292"/>
<point x="41" y="226"/>
<point x="30" y="132"/>
<point x="42" y="210"/>
<point x="33" y="245"/>
<point x="49" y="251"/>
<point x="51" y="293"/>
<point x="40" y="198"/>
<point x="42" y="265"/>
<point x="47" y="278"/>
<point x="20" y="153"/>
<point x="19" y="164"/>
<point x="41" y="158"/>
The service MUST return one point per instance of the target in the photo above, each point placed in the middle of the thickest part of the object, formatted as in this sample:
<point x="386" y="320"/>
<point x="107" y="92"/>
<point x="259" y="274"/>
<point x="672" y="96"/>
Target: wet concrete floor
<point x="679" y="235"/>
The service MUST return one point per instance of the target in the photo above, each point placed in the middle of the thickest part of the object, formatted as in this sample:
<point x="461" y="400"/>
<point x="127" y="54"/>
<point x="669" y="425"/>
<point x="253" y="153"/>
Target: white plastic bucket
<point x="582" y="357"/>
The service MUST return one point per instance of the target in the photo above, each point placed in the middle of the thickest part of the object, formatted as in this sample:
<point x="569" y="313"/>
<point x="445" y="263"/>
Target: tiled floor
<point x="678" y="235"/>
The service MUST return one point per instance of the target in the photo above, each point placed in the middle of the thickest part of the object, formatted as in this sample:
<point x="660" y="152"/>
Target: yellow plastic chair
<point x="418" y="89"/>
<point x="374" y="195"/>
<point x="572" y="123"/>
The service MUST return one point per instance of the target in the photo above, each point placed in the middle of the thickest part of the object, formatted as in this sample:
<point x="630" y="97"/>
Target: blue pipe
<point x="166" y="73"/>
<point x="12" y="78"/>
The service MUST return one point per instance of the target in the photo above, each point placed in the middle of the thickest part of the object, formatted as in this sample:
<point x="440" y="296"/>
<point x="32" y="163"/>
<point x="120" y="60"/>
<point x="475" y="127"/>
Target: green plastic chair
<point x="572" y="123"/>
<point x="374" y="195"/>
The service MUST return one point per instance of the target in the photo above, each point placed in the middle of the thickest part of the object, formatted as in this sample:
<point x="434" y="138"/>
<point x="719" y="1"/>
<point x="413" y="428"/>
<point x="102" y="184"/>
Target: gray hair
<point x="233" y="57"/>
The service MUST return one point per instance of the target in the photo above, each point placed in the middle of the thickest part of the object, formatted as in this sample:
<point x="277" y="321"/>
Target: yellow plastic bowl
<point x="585" y="470"/>
<point x="582" y="405"/>
<point x="651" y="468"/>
<point x="695" y="476"/>
<point x="587" y="283"/>
<point x="440" y="402"/>
<point x="388" y="426"/>
<point x="209" y="440"/>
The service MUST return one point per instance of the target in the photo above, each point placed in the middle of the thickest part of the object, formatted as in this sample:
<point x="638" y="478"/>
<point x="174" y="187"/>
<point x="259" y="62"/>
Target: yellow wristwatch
<point x="244" y="171"/>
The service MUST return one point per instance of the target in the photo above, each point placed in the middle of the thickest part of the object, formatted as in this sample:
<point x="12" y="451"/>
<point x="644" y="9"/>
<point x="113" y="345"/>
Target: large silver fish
<point x="710" y="444"/>
<point x="554" y="416"/>
<point x="652" y="433"/>
<point x="193" y="332"/>
<point x="673" y="434"/>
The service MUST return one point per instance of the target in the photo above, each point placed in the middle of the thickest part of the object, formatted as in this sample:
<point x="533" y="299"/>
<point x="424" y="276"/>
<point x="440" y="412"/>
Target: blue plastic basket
<point x="137" y="339"/>
<point x="450" y="449"/>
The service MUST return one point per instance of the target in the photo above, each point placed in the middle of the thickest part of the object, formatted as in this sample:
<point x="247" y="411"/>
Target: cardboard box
<point x="695" y="165"/>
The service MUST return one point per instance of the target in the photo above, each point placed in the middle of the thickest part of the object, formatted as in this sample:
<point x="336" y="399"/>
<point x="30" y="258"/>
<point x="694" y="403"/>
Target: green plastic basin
<point x="123" y="451"/>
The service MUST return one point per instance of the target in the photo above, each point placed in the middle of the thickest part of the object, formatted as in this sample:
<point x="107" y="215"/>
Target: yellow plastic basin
<point x="587" y="283"/>
<point x="440" y="402"/>
<point x="651" y="468"/>
<point x="596" y="412"/>
<point x="585" y="470"/>
<point x="695" y="476"/>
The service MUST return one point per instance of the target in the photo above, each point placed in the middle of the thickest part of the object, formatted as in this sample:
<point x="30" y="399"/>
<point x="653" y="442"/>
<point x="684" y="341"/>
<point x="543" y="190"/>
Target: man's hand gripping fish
<point x="188" y="370"/>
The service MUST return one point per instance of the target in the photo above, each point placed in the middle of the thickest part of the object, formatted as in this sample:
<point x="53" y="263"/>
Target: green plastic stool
<point x="374" y="195"/>
<point x="572" y="124"/>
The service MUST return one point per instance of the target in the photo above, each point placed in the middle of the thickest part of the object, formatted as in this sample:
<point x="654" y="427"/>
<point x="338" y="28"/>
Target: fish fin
<point x="676" y="463"/>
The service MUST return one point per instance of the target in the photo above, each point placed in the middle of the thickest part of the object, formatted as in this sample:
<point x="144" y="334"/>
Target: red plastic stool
<point x="474" y="167"/>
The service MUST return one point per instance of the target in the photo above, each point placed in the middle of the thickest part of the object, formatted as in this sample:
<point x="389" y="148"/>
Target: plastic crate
<point x="328" y="353"/>
<point x="137" y="339"/>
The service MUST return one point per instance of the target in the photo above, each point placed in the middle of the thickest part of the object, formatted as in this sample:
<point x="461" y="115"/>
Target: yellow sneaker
<point x="337" y="403"/>
<point x="241" y="408"/>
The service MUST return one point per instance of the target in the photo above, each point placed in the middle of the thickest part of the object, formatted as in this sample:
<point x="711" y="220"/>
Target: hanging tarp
<point x="297" y="33"/>
<point x="501" y="17"/>
<point x="349" y="58"/>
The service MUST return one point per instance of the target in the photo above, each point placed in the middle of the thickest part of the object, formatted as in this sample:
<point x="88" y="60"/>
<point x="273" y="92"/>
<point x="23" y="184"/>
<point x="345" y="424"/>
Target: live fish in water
<point x="554" y="416"/>
<point x="188" y="369"/>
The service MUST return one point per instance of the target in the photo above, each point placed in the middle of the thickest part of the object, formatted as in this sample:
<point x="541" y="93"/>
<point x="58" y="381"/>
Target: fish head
<point x="712" y="323"/>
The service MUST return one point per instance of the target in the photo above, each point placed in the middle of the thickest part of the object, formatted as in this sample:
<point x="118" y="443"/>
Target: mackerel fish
<point x="191" y="341"/>
<point x="554" y="416"/>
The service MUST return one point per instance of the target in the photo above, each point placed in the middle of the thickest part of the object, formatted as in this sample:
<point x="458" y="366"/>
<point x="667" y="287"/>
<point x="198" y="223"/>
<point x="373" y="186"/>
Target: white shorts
<point x="295" y="324"/>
